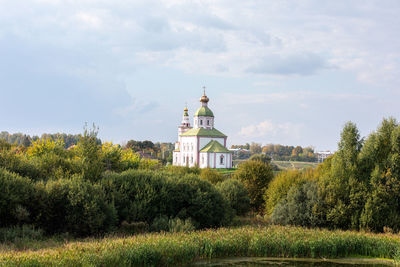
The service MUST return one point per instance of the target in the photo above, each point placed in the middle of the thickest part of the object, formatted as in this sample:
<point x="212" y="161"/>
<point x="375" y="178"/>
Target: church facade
<point x="201" y="145"/>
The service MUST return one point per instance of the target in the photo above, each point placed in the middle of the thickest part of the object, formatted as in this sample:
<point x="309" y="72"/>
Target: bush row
<point x="81" y="207"/>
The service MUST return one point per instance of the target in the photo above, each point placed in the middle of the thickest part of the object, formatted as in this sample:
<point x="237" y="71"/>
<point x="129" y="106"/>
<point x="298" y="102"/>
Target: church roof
<point x="215" y="147"/>
<point x="203" y="132"/>
<point x="204" y="111"/>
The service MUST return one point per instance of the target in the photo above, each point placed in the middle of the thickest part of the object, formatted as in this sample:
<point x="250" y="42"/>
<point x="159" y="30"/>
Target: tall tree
<point x="340" y="187"/>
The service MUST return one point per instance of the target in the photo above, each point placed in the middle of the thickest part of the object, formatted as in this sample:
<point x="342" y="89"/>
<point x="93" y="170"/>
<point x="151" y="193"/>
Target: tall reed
<point x="168" y="249"/>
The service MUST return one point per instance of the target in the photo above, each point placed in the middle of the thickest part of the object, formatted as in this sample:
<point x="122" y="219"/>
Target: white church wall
<point x="203" y="160"/>
<point x="189" y="150"/>
<point x="218" y="163"/>
<point x="176" y="159"/>
<point x="211" y="160"/>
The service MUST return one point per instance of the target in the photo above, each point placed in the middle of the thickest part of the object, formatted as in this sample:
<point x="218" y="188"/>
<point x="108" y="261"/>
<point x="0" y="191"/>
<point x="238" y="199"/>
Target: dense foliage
<point x="358" y="188"/>
<point x="94" y="188"/>
<point x="255" y="175"/>
<point x="236" y="195"/>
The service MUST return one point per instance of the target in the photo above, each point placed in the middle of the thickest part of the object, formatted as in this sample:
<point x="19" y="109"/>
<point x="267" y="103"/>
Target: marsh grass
<point x="169" y="249"/>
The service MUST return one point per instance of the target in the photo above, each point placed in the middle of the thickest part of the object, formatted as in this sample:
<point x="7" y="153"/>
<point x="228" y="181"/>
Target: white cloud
<point x="268" y="129"/>
<point x="89" y="20"/>
<point x="224" y="37"/>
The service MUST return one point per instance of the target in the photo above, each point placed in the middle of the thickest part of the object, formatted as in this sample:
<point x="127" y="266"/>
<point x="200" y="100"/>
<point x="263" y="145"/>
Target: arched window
<point x="221" y="159"/>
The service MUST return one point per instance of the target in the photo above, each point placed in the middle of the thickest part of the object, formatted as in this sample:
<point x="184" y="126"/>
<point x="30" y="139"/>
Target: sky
<point x="282" y="72"/>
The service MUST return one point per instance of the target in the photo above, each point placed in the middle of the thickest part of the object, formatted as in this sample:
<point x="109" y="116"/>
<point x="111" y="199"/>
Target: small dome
<point x="204" y="98"/>
<point x="204" y="111"/>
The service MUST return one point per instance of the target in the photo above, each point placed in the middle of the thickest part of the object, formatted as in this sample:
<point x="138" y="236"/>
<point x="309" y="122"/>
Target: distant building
<point x="201" y="145"/>
<point x="323" y="155"/>
<point x="237" y="151"/>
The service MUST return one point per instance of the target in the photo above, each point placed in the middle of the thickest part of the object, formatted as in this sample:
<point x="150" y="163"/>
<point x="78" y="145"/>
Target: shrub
<point x="75" y="206"/>
<point x="255" y="176"/>
<point x="141" y="195"/>
<point x="15" y="198"/>
<point x="24" y="232"/>
<point x="89" y="153"/>
<point x="160" y="224"/>
<point x="133" y="228"/>
<point x="260" y="157"/>
<point x="179" y="170"/>
<point x="16" y="162"/>
<point x="138" y="195"/>
<point x="236" y="195"/>
<point x="111" y="156"/>
<point x="191" y="197"/>
<point x="129" y="159"/>
<point x="297" y="208"/>
<point x="177" y="225"/>
<point x="211" y="176"/>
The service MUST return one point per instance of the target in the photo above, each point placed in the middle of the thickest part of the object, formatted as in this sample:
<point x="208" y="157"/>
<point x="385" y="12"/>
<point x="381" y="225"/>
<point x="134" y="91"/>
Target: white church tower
<point x="203" y="145"/>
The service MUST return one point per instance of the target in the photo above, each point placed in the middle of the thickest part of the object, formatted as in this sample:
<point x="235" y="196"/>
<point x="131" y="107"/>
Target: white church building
<point x="201" y="145"/>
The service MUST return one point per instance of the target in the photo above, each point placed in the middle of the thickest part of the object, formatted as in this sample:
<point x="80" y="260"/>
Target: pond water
<point x="269" y="262"/>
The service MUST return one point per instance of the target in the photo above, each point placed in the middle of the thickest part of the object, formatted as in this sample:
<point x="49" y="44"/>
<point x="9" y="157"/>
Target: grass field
<point x="226" y="171"/>
<point x="286" y="165"/>
<point x="165" y="249"/>
<point x="291" y="165"/>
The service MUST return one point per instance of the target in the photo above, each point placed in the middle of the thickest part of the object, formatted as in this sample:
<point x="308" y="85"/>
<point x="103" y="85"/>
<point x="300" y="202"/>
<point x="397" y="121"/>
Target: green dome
<point x="204" y="111"/>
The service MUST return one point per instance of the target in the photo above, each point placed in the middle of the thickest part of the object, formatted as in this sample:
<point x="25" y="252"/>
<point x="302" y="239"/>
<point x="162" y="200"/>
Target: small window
<point x="208" y="122"/>
<point x="191" y="159"/>
<point x="221" y="159"/>
<point x="202" y="159"/>
<point x="183" y="159"/>
<point x="201" y="122"/>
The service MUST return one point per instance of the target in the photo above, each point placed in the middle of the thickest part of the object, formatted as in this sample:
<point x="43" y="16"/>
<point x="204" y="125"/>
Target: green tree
<point x="89" y="154"/>
<point x="380" y="160"/>
<point x="341" y="188"/>
<point x="255" y="148"/>
<point x="212" y="176"/>
<point x="297" y="208"/>
<point x="261" y="157"/>
<point x="255" y="176"/>
<point x="236" y="195"/>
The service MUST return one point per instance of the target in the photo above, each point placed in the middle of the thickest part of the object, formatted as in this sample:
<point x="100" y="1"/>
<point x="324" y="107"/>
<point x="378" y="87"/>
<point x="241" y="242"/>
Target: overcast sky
<point x="287" y="72"/>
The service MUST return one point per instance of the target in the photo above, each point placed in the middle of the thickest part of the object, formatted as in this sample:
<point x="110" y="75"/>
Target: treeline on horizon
<point x="277" y="152"/>
<point x="163" y="151"/>
<point x="159" y="150"/>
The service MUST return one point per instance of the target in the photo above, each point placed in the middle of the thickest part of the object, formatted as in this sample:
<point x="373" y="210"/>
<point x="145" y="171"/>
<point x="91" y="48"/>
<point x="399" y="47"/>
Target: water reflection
<point x="258" y="262"/>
